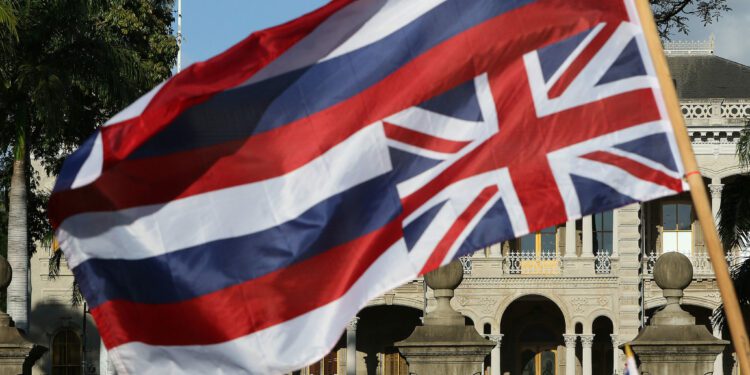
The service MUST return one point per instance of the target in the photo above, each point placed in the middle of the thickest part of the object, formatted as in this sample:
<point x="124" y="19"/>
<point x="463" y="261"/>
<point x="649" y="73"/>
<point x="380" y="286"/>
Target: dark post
<point x="83" y="340"/>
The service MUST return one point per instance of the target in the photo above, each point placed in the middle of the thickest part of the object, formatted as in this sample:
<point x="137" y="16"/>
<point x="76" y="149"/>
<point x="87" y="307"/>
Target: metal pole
<point x="83" y="341"/>
<point x="179" y="35"/>
<point x="642" y="288"/>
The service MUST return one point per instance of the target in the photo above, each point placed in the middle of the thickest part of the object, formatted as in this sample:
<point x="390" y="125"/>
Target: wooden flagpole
<point x="697" y="190"/>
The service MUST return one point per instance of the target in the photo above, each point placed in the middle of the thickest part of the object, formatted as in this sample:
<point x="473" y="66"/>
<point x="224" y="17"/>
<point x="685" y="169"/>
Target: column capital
<point x="587" y="341"/>
<point x="353" y="324"/>
<point x="716" y="190"/>
<point x="615" y="340"/>
<point x="497" y="339"/>
<point x="570" y="340"/>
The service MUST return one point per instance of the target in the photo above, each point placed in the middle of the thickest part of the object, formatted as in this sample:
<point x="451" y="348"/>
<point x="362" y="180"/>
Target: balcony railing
<point x="603" y="262"/>
<point x="700" y="260"/>
<point x="545" y="262"/>
<point x="466" y="263"/>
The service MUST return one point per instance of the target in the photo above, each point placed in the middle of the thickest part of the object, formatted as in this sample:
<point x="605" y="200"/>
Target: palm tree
<point x="734" y="226"/>
<point x="73" y="64"/>
<point x="8" y="16"/>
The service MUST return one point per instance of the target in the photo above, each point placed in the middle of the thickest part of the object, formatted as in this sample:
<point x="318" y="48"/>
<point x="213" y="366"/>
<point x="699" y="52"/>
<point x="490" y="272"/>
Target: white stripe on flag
<point x="92" y="166"/>
<point x="278" y="349"/>
<point x="357" y="25"/>
<point x="135" y="109"/>
<point x="438" y="125"/>
<point x="149" y="231"/>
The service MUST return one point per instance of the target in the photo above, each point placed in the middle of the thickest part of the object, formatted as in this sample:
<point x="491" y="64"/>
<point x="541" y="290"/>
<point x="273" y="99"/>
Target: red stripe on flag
<point x="200" y="81"/>
<point x="248" y="307"/>
<point x="582" y="60"/>
<point x="419" y="139"/>
<point x="637" y="169"/>
<point x="458" y="226"/>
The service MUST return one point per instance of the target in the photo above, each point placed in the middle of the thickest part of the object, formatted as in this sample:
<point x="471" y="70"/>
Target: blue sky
<point x="211" y="26"/>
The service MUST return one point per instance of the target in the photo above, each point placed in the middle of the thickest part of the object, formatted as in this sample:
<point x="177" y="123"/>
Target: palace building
<point x="556" y="302"/>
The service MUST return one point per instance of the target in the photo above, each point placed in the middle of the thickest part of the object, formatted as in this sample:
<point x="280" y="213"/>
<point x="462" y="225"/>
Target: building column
<point x="586" y="342"/>
<point x="570" y="239"/>
<point x="615" y="353"/>
<point x="351" y="347"/>
<point x="615" y="233"/>
<point x="719" y="362"/>
<point x="588" y="237"/>
<point x="716" y="199"/>
<point x="495" y="354"/>
<point x="570" y="354"/>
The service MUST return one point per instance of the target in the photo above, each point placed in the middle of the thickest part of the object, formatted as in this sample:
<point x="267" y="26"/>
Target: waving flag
<point x="236" y="217"/>
<point x="631" y="367"/>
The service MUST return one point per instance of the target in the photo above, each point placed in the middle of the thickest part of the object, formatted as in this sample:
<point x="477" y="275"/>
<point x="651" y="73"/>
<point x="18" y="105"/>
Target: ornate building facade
<point x="555" y="302"/>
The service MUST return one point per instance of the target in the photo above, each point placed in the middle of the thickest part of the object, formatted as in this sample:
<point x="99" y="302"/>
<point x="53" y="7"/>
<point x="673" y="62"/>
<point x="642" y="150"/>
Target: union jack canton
<point x="239" y="215"/>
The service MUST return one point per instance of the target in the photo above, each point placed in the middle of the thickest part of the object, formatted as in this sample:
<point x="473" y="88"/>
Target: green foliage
<point x="741" y="279"/>
<point x="73" y="65"/>
<point x="743" y="147"/>
<point x="734" y="226"/>
<point x="8" y="17"/>
<point x="672" y="15"/>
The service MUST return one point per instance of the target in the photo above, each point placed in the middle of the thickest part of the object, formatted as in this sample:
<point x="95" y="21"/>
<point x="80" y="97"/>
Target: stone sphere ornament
<point x="445" y="277"/>
<point x="673" y="270"/>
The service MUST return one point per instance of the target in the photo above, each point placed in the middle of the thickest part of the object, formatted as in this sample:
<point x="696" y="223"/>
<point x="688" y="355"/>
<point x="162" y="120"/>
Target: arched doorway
<point x="532" y="343"/>
<point x="378" y="329"/>
<point x="602" y="350"/>
<point x="66" y="353"/>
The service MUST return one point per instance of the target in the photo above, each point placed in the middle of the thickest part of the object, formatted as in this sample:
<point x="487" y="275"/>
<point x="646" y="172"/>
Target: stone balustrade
<point x="717" y="108"/>
<point x="540" y="263"/>
<point x="701" y="262"/>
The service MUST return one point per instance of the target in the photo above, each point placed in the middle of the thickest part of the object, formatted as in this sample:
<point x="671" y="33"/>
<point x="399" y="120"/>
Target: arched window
<point x="66" y="353"/>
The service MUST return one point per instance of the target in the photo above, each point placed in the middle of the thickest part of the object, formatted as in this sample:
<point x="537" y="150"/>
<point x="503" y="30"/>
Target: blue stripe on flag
<point x="460" y="102"/>
<point x="247" y="110"/>
<point x="172" y="277"/>
<point x="552" y="56"/>
<point x="73" y="164"/>
<point x="628" y="64"/>
<point x="416" y="228"/>
<point x="409" y="165"/>
<point x="652" y="147"/>
<point x="492" y="228"/>
<point x="595" y="196"/>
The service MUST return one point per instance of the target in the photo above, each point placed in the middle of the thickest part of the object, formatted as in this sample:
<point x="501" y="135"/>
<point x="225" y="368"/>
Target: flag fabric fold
<point x="237" y="216"/>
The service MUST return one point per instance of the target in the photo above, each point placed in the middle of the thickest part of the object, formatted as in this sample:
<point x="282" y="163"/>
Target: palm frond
<point x="8" y="17"/>
<point x="743" y="147"/>
<point x="741" y="280"/>
<point x="54" y="264"/>
<point x="734" y="226"/>
<point x="76" y="298"/>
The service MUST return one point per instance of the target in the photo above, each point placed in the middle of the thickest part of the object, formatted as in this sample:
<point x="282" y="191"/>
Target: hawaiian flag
<point x="631" y="367"/>
<point x="237" y="216"/>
